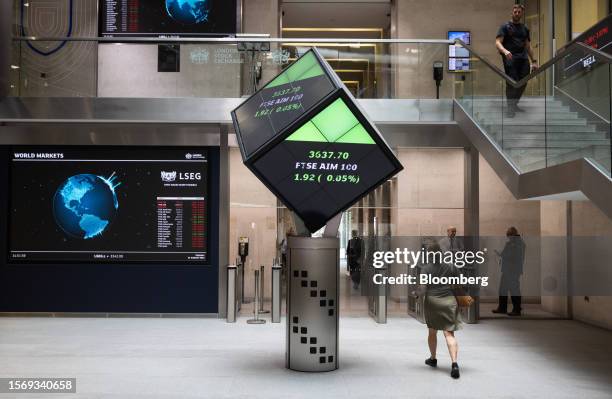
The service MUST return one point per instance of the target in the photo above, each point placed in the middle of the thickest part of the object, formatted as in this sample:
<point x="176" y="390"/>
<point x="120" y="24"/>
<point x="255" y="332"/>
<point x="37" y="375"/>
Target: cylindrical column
<point x="232" y="307"/>
<point x="262" y="291"/>
<point x="256" y="319"/>
<point x="312" y="303"/>
<point x="276" y="292"/>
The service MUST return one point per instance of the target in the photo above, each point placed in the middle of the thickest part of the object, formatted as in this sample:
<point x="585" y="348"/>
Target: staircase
<point x="547" y="133"/>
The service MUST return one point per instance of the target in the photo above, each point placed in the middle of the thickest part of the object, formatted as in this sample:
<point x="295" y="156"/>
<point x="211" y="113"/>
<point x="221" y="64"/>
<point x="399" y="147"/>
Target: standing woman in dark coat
<point x="512" y="260"/>
<point x="441" y="311"/>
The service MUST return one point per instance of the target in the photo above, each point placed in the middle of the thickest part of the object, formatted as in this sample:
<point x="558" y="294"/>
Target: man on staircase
<point x="514" y="44"/>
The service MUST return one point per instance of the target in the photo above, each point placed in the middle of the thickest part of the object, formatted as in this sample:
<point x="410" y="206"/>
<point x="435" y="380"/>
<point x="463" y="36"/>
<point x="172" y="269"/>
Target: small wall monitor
<point x="458" y="56"/>
<point x="462" y="35"/>
<point x="309" y="143"/>
<point x="458" y="51"/>
<point x="458" y="64"/>
<point x="167" y="18"/>
<point x="96" y="204"/>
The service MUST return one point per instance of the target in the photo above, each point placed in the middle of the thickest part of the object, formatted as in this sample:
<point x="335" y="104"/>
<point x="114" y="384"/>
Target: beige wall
<point x="586" y="13"/>
<point x="498" y="211"/>
<point x="252" y="215"/>
<point x="591" y="237"/>
<point x="130" y="70"/>
<point x="426" y="197"/>
<point x="253" y="208"/>
<point x="429" y="191"/>
<point x="593" y="230"/>
<point x="262" y="16"/>
<point x="432" y="19"/>
<point x="553" y="224"/>
<point x="68" y="72"/>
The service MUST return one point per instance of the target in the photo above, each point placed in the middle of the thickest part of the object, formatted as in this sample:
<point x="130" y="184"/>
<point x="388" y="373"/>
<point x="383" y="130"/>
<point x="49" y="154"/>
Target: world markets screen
<point x="108" y="205"/>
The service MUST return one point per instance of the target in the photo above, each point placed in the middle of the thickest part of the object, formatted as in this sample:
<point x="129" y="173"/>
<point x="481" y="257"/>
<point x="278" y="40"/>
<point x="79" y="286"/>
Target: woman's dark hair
<point x="512" y="231"/>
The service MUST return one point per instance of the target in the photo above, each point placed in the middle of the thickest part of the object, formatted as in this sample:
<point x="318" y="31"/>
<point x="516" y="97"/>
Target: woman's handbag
<point x="463" y="301"/>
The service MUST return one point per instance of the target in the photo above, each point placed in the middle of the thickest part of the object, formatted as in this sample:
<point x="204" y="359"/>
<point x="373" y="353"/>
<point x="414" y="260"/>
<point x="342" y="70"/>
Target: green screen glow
<point x="335" y="124"/>
<point x="305" y="67"/>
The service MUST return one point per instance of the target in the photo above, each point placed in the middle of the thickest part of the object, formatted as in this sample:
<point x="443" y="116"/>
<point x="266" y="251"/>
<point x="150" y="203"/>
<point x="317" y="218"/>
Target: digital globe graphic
<point x="188" y="12"/>
<point x="84" y="205"/>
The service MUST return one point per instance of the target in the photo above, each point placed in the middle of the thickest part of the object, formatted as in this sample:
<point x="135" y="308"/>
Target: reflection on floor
<point x="530" y="311"/>
<point x="165" y="358"/>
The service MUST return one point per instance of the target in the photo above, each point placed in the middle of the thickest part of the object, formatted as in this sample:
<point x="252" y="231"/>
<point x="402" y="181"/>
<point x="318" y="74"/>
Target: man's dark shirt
<point x="513" y="257"/>
<point x="514" y="38"/>
<point x="353" y="250"/>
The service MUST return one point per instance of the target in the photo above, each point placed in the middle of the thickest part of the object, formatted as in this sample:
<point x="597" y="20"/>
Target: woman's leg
<point x="432" y="340"/>
<point x="451" y="342"/>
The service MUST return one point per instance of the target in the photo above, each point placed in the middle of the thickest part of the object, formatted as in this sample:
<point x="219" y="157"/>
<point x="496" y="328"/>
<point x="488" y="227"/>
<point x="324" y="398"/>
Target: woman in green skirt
<point x="441" y="311"/>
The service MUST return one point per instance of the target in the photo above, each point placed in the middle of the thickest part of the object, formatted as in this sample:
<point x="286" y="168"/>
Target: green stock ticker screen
<point x="307" y="141"/>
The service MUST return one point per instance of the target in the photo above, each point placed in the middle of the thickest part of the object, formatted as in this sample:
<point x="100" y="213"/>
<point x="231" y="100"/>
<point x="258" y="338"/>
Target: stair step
<point x="531" y="117"/>
<point x="523" y="134"/>
<point x="515" y="122"/>
<point x="600" y="155"/>
<point x="552" y="129"/>
<point x="595" y="151"/>
<point x="553" y="137"/>
<point x="528" y="109"/>
<point x="551" y="143"/>
<point x="541" y="129"/>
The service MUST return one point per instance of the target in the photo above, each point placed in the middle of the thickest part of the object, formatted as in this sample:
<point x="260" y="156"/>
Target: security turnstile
<point x="312" y="303"/>
<point x="276" y="293"/>
<point x="377" y="297"/>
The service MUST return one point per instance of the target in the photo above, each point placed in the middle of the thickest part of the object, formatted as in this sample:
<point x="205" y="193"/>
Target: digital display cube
<point x="305" y="138"/>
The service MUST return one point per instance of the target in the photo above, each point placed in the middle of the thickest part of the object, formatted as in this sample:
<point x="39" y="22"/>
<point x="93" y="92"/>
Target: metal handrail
<point x="246" y="39"/>
<point x="588" y="49"/>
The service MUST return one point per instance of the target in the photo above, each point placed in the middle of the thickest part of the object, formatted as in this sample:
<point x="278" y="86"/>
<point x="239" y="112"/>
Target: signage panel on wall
<point x="167" y="17"/>
<point x="108" y="205"/>
<point x="599" y="37"/>
<point x="458" y="56"/>
<point x="306" y="139"/>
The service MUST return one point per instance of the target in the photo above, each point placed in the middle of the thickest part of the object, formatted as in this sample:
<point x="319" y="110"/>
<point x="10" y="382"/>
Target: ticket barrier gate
<point x="232" y="293"/>
<point x="415" y="298"/>
<point x="377" y="295"/>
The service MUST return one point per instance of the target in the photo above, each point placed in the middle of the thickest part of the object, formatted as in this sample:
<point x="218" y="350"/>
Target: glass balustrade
<point x="563" y="113"/>
<point x="218" y="68"/>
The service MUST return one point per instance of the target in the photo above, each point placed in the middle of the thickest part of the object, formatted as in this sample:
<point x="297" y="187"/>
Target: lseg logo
<point x="172" y="176"/>
<point x="168" y="176"/>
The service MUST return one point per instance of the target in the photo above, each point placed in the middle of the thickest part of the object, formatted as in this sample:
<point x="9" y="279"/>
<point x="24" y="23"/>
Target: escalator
<point x="558" y="147"/>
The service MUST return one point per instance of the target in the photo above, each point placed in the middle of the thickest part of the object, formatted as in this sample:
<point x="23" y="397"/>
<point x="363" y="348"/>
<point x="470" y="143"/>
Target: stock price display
<point x="283" y="100"/>
<point x="325" y="165"/>
<point x="307" y="141"/>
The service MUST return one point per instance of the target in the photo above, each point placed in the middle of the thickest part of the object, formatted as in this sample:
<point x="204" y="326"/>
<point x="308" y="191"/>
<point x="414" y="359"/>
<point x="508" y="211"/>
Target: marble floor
<point x="529" y="311"/>
<point x="209" y="358"/>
